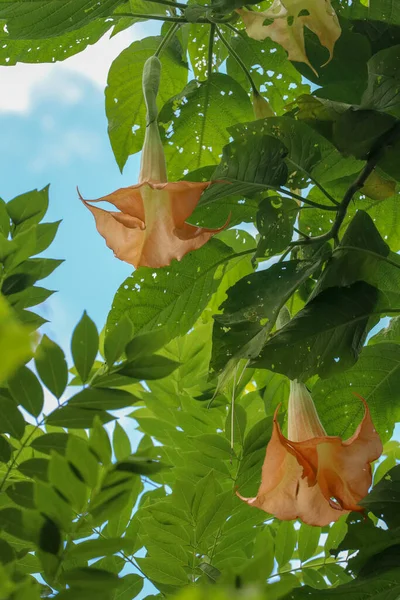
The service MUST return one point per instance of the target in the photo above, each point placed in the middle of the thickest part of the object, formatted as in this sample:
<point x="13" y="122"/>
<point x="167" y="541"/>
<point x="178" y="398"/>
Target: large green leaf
<point x="384" y="498"/>
<point x="172" y="296"/>
<point x="163" y="571"/>
<point x="37" y="19"/>
<point x="58" y="48"/>
<point x="197" y="122"/>
<point x="325" y="337"/>
<point x="125" y="105"/>
<point x="309" y="153"/>
<point x="376" y="377"/>
<point x="252" y="307"/>
<point x="384" y="81"/>
<point x="272" y="73"/>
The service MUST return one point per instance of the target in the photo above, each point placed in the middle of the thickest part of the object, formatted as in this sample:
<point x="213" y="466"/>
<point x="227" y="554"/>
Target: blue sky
<point x="54" y="130"/>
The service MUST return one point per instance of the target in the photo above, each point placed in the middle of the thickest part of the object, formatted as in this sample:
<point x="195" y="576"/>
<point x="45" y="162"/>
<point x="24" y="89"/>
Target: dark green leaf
<point x="7" y="552"/>
<point x="325" y="337"/>
<point x="50" y="537"/>
<point x="77" y="418"/>
<point x="5" y="449"/>
<point x="275" y="219"/>
<point x="51" y="365"/>
<point x="22" y="492"/>
<point x="149" y="367"/>
<point x="84" y="346"/>
<point x="36" y="468"/>
<point x="99" y="547"/>
<point x="383" y="82"/>
<point x="89" y="578"/>
<point x="102" y="399"/>
<point x="11" y="421"/>
<point x="252" y="307"/>
<point x="27" y="391"/>
<point x="99" y="442"/>
<point x="51" y="442"/>
<point x="140" y="465"/>
<point x="31" y="296"/>
<point x="384" y="498"/>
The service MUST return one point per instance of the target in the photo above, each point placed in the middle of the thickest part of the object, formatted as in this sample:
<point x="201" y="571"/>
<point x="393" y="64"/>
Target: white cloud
<point x="19" y="83"/>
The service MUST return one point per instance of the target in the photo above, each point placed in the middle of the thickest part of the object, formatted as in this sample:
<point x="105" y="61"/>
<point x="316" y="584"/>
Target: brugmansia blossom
<point x="312" y="476"/>
<point x="150" y="228"/>
<point x="289" y="17"/>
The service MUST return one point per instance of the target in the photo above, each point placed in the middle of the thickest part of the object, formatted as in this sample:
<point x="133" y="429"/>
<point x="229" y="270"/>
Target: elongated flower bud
<point x="261" y="107"/>
<point x="152" y="165"/>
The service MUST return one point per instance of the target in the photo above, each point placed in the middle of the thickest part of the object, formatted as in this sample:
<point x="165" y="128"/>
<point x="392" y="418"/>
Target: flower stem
<point x="166" y="39"/>
<point x="239" y="61"/>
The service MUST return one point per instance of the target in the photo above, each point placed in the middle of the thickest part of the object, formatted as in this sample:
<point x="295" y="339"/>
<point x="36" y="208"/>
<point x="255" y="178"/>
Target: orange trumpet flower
<point x="313" y="476"/>
<point x="150" y="228"/>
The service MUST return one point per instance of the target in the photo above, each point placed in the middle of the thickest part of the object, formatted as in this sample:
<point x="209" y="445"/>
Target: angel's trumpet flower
<point x="150" y="228"/>
<point x="313" y="476"/>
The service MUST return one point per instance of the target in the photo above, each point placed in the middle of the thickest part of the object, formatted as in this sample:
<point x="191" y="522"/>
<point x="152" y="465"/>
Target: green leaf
<point x="384" y="586"/>
<point x="31" y="207"/>
<point x="45" y="19"/>
<point x="213" y="445"/>
<point x="15" y="347"/>
<point x="269" y="67"/>
<point x="45" y="234"/>
<point x="198" y="119"/>
<point x="52" y="504"/>
<point x="275" y="219"/>
<point x="121" y="442"/>
<point x="163" y="571"/>
<point x="215" y="516"/>
<point x="285" y="542"/>
<point x="177" y="295"/>
<point x="31" y="296"/>
<point x="4" y="219"/>
<point x="99" y="547"/>
<point x="84" y="346"/>
<point x="149" y="367"/>
<point x="384" y="498"/>
<point x="147" y="343"/>
<point x="102" y="399"/>
<point x="140" y="465"/>
<point x="99" y="442"/>
<point x="65" y="480"/>
<point x="31" y="271"/>
<point x="35" y="468"/>
<point x="21" y="524"/>
<point x="308" y="540"/>
<point x="5" y="449"/>
<point x="7" y="552"/>
<point x="125" y="107"/>
<point x="11" y="421"/>
<point x="90" y="578"/>
<point x="22" y="493"/>
<point x="309" y="153"/>
<point x="252" y="307"/>
<point x="325" y="337"/>
<point x="77" y="418"/>
<point x="51" y="366"/>
<point x="50" y="442"/>
<point x="116" y="339"/>
<point x="27" y="391"/>
<point x="376" y="378"/>
<point x="239" y="423"/>
<point x="383" y="82"/>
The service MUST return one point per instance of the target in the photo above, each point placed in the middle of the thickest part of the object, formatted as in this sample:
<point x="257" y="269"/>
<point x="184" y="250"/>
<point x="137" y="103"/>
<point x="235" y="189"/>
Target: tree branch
<point x="374" y="157"/>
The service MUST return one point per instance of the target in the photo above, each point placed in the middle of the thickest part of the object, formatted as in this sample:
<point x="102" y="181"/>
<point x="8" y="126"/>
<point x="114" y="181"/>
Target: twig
<point x="374" y="157"/>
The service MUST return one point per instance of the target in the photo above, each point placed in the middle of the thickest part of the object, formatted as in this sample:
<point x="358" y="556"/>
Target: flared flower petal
<point x="319" y="479"/>
<point x="289" y="17"/>
<point x="151" y="230"/>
